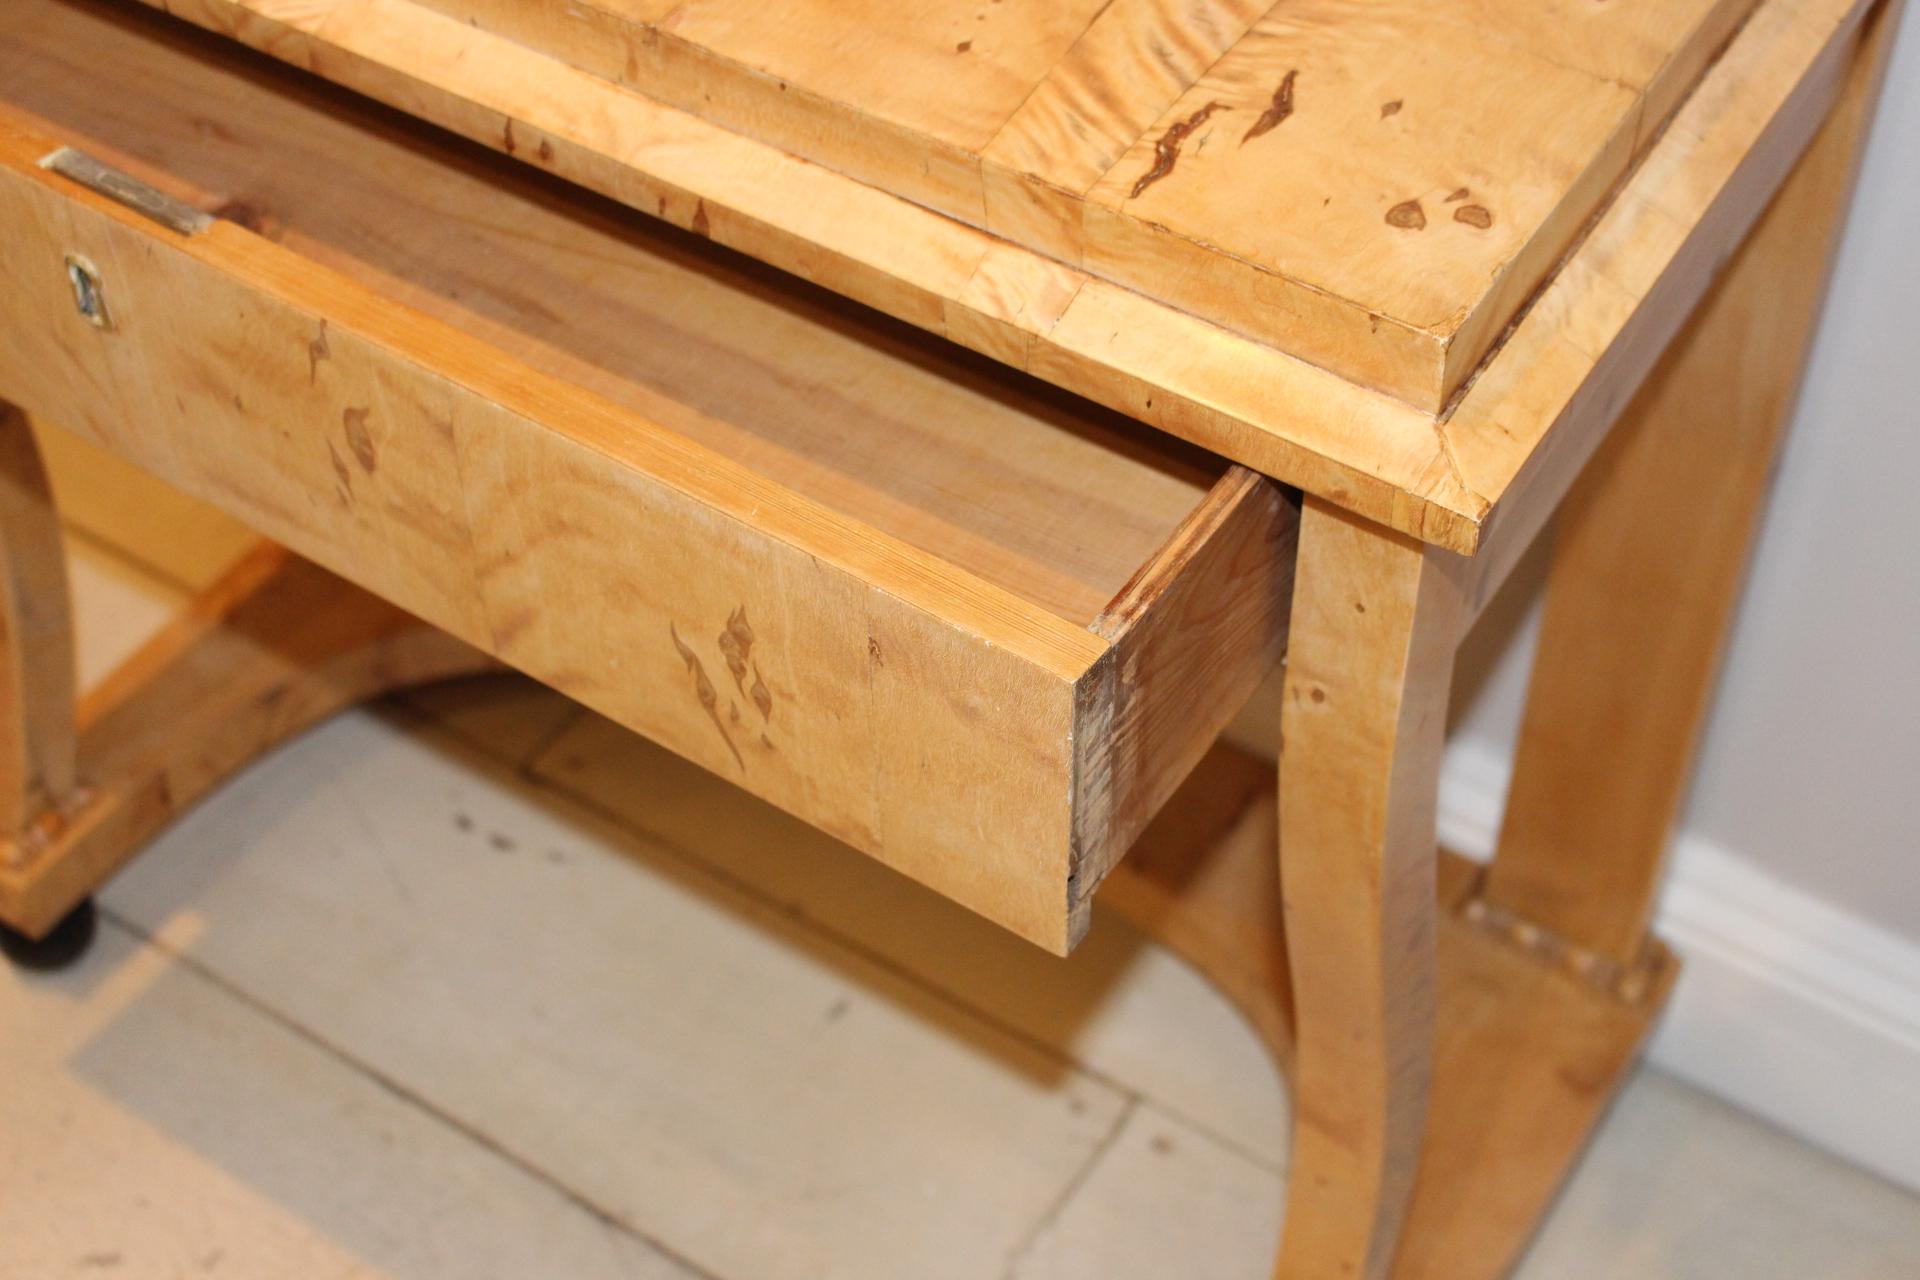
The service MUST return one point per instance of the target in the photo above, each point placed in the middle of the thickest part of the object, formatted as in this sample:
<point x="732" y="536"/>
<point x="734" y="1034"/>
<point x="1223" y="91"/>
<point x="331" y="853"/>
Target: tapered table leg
<point x="1653" y="544"/>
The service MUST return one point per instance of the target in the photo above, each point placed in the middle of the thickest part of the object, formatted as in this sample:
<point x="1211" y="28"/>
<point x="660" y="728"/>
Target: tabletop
<point x="1616" y="153"/>
<point x="1376" y="187"/>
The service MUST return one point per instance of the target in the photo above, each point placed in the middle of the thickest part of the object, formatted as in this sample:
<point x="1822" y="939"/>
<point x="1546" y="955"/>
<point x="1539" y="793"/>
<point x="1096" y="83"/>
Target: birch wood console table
<point x="939" y="419"/>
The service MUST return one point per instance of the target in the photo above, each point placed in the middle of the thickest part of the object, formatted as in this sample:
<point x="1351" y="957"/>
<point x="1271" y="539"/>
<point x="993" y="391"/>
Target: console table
<point x="939" y="420"/>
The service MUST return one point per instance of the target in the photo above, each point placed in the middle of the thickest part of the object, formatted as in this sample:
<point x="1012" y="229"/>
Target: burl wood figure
<point x="939" y="420"/>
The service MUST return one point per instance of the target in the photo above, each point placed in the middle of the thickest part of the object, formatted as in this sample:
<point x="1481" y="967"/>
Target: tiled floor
<point x="479" y="986"/>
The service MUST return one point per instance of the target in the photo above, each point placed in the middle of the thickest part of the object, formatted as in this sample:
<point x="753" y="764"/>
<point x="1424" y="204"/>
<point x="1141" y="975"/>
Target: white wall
<point x="1821" y="702"/>
<point x="1805" y="814"/>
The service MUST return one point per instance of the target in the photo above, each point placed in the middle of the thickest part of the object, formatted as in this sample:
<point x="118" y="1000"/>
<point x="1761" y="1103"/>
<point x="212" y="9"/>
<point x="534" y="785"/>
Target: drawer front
<point x="998" y="753"/>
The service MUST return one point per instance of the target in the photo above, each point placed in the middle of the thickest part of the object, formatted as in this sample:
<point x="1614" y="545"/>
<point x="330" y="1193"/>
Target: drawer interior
<point x="1044" y="495"/>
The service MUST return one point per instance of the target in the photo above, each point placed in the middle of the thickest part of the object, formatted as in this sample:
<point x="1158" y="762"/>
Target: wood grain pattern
<point x="37" y="777"/>
<point x="510" y="478"/>
<point x="158" y="527"/>
<point x="740" y="358"/>
<point x="1039" y="121"/>
<point x="1108" y="87"/>
<point x="1195" y="632"/>
<point x="1391" y="247"/>
<point x="545" y="580"/>
<point x="1376" y="619"/>
<point x="884" y="690"/>
<point x="1515" y="1087"/>
<point x="1536" y="408"/>
<point x="1648" y="559"/>
<point x="1527" y="1059"/>
<point x="1541" y="408"/>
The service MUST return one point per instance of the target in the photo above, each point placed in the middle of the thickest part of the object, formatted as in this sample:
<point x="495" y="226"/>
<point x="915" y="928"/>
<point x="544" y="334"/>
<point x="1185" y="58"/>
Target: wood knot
<point x="1167" y="151"/>
<point x="1408" y="216"/>
<point x="359" y="439"/>
<point x="1279" y="110"/>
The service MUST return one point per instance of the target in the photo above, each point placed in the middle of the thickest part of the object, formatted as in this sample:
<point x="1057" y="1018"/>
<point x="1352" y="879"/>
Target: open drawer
<point x="974" y="627"/>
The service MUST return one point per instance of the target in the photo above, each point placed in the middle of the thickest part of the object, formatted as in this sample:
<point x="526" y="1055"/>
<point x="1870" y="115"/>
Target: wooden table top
<point x="1301" y="281"/>
<point x="1376" y="186"/>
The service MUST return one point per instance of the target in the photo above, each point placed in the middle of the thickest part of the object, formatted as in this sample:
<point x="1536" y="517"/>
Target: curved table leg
<point x="1376" y="619"/>
<point x="1527" y="1050"/>
<point x="274" y="646"/>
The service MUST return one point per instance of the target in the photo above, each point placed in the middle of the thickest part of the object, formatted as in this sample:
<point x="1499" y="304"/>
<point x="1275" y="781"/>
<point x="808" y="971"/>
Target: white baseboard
<point x="1799" y="1012"/>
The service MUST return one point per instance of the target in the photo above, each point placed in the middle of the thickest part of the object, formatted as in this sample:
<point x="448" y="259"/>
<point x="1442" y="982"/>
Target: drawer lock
<point x="87" y="295"/>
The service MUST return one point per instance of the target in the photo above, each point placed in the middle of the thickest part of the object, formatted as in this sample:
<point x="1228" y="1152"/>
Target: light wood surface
<point x="1648" y="561"/>
<point x="1254" y="164"/>
<point x="1445" y="1117"/>
<point x="1617" y="305"/>
<point x="153" y="524"/>
<point x="1058" y="502"/>
<point x="1527" y="1059"/>
<point x="456" y="456"/>
<point x="992" y="697"/>
<point x="1376" y="618"/>
<point x="1218" y="589"/>
<point x="36" y="649"/>
<point x="1535" y="411"/>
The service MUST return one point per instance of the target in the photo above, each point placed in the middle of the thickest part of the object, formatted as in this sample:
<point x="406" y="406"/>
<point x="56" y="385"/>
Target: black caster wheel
<point x="60" y="949"/>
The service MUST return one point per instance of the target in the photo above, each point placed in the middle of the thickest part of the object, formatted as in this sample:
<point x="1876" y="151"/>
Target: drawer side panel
<point x="1193" y="635"/>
